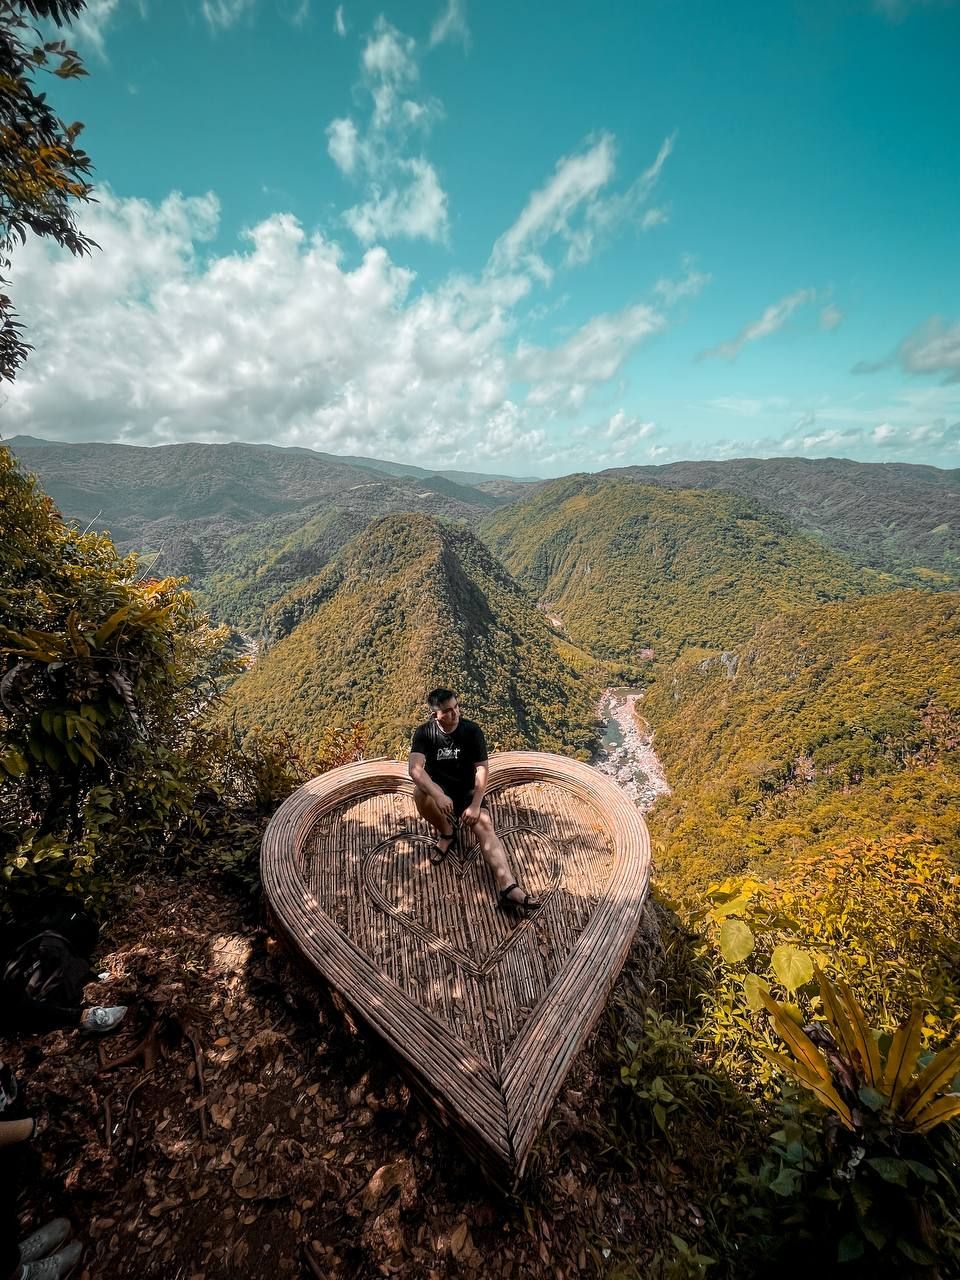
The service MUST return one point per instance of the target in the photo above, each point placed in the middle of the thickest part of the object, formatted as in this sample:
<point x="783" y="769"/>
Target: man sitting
<point x="448" y="767"/>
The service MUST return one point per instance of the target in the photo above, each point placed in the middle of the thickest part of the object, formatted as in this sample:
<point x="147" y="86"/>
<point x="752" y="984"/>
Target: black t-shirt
<point x="451" y="758"/>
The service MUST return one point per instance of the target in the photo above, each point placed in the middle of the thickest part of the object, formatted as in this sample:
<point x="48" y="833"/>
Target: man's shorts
<point x="461" y="800"/>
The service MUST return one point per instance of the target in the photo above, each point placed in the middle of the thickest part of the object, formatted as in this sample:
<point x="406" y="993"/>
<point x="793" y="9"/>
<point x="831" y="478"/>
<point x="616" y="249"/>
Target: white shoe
<point x="102" y="1018"/>
<point x="55" y="1267"/>
<point x="43" y="1241"/>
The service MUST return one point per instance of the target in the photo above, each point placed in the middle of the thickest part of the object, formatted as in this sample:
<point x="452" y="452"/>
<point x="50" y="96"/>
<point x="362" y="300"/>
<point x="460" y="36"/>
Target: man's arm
<point x="480" y="775"/>
<point x="416" y="767"/>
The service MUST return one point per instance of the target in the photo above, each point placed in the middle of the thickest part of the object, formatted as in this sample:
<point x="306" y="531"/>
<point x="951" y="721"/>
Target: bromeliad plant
<point x="862" y="1154"/>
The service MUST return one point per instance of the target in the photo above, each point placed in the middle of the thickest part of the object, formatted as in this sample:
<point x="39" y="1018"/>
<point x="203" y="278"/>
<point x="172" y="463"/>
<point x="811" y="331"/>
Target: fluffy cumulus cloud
<point x="415" y="209"/>
<point x="774" y="317"/>
<point x="933" y="349"/>
<point x="575" y="207"/>
<point x="403" y="195"/>
<point x="155" y="339"/>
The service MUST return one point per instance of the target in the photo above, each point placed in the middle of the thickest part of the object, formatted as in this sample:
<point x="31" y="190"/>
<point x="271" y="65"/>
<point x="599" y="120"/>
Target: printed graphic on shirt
<point x="448" y="753"/>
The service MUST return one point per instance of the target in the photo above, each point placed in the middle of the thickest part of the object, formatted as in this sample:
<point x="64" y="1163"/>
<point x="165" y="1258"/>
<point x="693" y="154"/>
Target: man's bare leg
<point x="495" y="856"/>
<point x="442" y="823"/>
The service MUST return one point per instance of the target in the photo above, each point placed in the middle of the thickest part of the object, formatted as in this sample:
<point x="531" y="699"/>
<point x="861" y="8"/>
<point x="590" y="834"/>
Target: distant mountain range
<point x="365" y="581"/>
<point x="890" y="515"/>
<point x="224" y="511"/>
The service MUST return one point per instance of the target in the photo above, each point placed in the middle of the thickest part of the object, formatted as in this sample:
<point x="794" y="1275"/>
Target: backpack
<point x="42" y="983"/>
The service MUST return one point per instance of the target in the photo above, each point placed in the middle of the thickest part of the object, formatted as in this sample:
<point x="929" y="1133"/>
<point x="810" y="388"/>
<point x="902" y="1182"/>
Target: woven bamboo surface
<point x="485" y="1010"/>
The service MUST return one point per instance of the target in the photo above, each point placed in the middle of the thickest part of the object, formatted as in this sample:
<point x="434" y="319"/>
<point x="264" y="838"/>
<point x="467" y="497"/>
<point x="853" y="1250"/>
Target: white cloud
<point x="563" y="376"/>
<point x="932" y="348"/>
<point x="673" y="291"/>
<point x="417" y="209"/>
<point x="572" y="207"/>
<point x="654" y="217"/>
<point x="831" y="317"/>
<point x="773" y="318"/>
<point x="747" y="406"/>
<point x="343" y="144"/>
<point x="155" y="340"/>
<point x="451" y="24"/>
<point x="88" y="30"/>
<point x="402" y="192"/>
<point x="621" y="426"/>
<point x="339" y="23"/>
<point x="221" y="14"/>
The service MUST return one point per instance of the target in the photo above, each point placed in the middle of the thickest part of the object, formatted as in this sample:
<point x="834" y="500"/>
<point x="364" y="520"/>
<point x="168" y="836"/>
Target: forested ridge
<point x="408" y="604"/>
<point x="631" y="567"/>
<point x="243" y="522"/>
<point x="892" y="516"/>
<point x="828" y="724"/>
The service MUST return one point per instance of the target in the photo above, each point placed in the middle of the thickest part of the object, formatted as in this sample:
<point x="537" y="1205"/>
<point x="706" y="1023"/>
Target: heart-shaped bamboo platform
<point x="485" y="1010"/>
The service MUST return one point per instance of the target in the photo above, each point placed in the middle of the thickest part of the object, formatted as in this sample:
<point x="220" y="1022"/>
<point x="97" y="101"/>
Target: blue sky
<point x="521" y="238"/>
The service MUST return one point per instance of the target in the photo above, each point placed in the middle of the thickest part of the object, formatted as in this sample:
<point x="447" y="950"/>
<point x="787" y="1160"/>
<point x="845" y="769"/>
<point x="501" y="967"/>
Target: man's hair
<point x="436" y="697"/>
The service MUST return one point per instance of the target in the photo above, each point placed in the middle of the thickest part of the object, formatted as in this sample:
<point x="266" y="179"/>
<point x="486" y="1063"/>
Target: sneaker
<point x="102" y="1018"/>
<point x="45" y="1240"/>
<point x="55" y="1267"/>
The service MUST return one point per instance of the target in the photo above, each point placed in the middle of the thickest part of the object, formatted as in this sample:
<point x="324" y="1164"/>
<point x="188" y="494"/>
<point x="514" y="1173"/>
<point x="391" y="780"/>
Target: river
<point x="626" y="751"/>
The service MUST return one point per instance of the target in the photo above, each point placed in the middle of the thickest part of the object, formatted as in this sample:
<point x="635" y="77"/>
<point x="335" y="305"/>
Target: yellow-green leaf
<point x="736" y="941"/>
<point x="792" y="966"/>
<point x="903" y="1055"/>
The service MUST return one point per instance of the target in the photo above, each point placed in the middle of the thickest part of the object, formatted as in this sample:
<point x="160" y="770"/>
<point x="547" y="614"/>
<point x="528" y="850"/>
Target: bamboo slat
<point x="485" y="1011"/>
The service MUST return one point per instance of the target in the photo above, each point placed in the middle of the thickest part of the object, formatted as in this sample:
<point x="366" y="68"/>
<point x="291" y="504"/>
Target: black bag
<point x="42" y="984"/>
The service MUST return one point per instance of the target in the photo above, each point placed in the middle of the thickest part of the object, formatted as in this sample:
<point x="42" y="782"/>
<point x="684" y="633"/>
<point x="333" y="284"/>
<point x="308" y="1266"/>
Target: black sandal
<point x="525" y="904"/>
<point x="440" y="855"/>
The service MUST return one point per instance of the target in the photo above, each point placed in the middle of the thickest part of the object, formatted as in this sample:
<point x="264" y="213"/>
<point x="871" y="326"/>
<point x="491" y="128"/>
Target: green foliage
<point x="631" y="567"/>
<point x="245" y="780"/>
<point x="102" y="677"/>
<point x="866" y="1180"/>
<point x="409" y="604"/>
<point x="830" y="722"/>
<point x="41" y="168"/>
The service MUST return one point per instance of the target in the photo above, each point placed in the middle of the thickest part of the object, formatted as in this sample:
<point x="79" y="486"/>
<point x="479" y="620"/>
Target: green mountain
<point x="631" y="567"/>
<point x="408" y="604"/>
<point x="891" y="516"/>
<point x="829" y="723"/>
<point x="232" y="517"/>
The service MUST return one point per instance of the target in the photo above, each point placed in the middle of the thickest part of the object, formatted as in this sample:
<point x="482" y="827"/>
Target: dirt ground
<point x="238" y="1124"/>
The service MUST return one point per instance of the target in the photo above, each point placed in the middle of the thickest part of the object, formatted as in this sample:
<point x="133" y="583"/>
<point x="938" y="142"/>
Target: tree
<point x="42" y="171"/>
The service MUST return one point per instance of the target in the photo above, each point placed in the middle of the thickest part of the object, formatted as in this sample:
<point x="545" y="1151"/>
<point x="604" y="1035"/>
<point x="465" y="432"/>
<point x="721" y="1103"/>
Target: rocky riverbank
<point x="626" y="752"/>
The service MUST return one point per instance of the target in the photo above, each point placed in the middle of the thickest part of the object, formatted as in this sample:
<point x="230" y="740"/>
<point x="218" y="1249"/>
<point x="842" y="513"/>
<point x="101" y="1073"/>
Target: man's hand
<point x="470" y="815"/>
<point x="445" y="804"/>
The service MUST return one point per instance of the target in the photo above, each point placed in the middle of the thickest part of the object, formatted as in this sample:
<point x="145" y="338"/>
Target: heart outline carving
<point x="475" y="968"/>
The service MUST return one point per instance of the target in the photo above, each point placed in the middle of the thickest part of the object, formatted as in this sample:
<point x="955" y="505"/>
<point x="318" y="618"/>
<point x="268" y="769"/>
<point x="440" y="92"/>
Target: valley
<point x="780" y="701"/>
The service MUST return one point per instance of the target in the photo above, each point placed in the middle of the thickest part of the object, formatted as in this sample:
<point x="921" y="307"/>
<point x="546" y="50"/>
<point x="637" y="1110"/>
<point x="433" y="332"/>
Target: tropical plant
<point x="102" y="676"/>
<point x="41" y="168"/>
<point x="877" y="1097"/>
